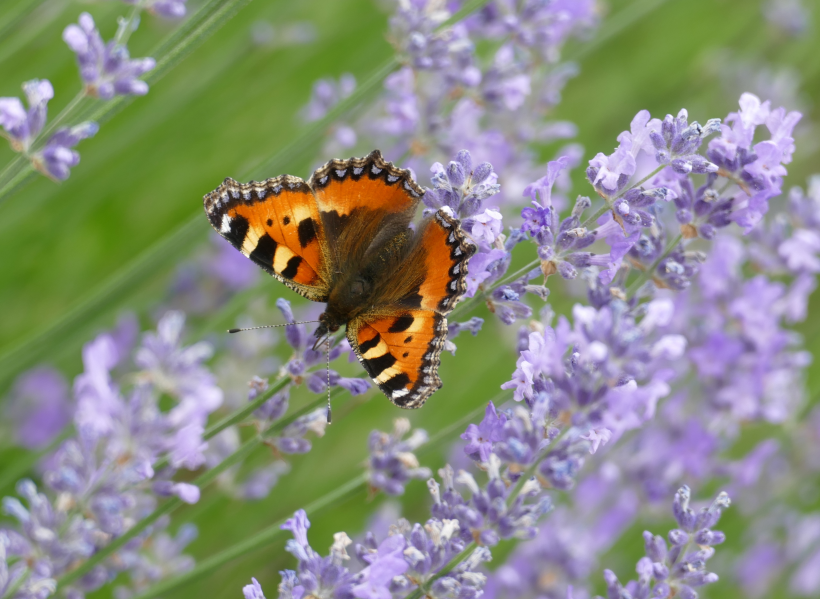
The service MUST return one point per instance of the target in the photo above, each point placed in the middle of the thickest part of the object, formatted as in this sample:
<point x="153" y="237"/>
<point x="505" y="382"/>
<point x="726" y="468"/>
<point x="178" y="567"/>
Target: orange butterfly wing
<point x="400" y="346"/>
<point x="275" y="223"/>
<point x="365" y="184"/>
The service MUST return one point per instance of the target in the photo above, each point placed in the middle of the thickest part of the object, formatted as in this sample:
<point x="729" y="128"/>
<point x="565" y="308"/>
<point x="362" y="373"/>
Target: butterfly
<point x="344" y="237"/>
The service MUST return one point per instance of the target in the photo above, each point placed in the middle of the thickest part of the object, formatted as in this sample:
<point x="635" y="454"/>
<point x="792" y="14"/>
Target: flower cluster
<point x="676" y="569"/>
<point x="106" y="69"/>
<point x="392" y="461"/>
<point x="409" y="557"/>
<point x="102" y="481"/>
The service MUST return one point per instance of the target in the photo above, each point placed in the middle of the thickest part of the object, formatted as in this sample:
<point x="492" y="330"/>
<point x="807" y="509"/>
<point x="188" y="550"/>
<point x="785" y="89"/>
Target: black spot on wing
<point x="292" y="267"/>
<point x="409" y="339"/>
<point x="270" y="222"/>
<point x="307" y="232"/>
<point x="264" y="251"/>
<point x="239" y="229"/>
<point x="375" y="366"/>
<point x="412" y="299"/>
<point x="370" y="344"/>
<point x="396" y="383"/>
<point x="286" y="220"/>
<point x="402" y="323"/>
<point x="405" y="354"/>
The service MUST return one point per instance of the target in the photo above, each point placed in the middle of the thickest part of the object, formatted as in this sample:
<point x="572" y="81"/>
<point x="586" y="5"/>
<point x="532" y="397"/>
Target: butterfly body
<point x="344" y="237"/>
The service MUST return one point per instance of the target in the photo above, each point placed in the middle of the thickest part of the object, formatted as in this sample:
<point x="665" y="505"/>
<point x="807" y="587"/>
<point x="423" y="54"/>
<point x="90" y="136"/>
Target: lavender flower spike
<point x="392" y="461"/>
<point x="673" y="570"/>
<point x="107" y="69"/>
<point x="22" y="126"/>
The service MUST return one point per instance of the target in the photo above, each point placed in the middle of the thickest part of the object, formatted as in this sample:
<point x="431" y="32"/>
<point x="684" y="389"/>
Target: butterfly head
<point x="327" y="326"/>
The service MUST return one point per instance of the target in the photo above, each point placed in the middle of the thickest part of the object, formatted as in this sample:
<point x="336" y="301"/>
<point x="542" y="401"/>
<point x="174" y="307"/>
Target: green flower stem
<point x="12" y="169"/>
<point x="173" y="503"/>
<point x="126" y="26"/>
<point x="75" y="325"/>
<point x="65" y="113"/>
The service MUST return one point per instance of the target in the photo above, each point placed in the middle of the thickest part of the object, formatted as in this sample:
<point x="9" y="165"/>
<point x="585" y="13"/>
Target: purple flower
<point x="392" y="462"/>
<point x="325" y="95"/>
<point x="292" y="438"/>
<point x="170" y="9"/>
<point x="400" y="104"/>
<point x="57" y="157"/>
<point x="23" y="126"/>
<point x="383" y="565"/>
<point x="678" y="567"/>
<point x="316" y="575"/>
<point x="482" y="436"/>
<point x="106" y="69"/>
<point x="179" y="371"/>
<point x="486" y="226"/>
<point x="40" y="407"/>
<point x="611" y="173"/>
<point x="253" y="590"/>
<point x="792" y="16"/>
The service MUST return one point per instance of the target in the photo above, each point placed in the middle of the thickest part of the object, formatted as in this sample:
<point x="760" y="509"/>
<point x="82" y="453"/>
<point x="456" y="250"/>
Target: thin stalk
<point x="126" y="26"/>
<point x="65" y="113"/>
<point x="173" y="503"/>
<point x="17" y="15"/>
<point x="12" y="169"/>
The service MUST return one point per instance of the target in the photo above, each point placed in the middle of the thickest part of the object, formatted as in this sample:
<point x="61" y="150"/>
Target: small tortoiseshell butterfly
<point x="344" y="237"/>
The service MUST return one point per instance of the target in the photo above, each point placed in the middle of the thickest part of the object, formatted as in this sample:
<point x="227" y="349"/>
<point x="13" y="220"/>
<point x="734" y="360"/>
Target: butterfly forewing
<point x="276" y="224"/>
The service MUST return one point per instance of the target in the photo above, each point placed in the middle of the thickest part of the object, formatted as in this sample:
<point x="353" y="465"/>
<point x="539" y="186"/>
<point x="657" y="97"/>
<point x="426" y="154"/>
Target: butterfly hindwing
<point x="444" y="253"/>
<point x="400" y="352"/>
<point x="276" y="224"/>
<point x="400" y="343"/>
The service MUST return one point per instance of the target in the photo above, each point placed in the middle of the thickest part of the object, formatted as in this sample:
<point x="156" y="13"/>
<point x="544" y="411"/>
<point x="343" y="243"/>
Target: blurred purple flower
<point x="170" y="9"/>
<point x="57" y="157"/>
<point x="676" y="569"/>
<point x="106" y="69"/>
<point x="392" y="462"/>
<point x="23" y="126"/>
<point x="39" y="407"/>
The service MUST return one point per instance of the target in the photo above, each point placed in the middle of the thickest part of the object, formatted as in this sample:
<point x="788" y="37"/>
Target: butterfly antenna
<point x="327" y="353"/>
<point x="269" y="326"/>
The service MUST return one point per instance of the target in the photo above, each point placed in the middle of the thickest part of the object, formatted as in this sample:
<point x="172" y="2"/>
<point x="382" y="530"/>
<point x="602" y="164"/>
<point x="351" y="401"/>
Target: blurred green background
<point x="233" y="103"/>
